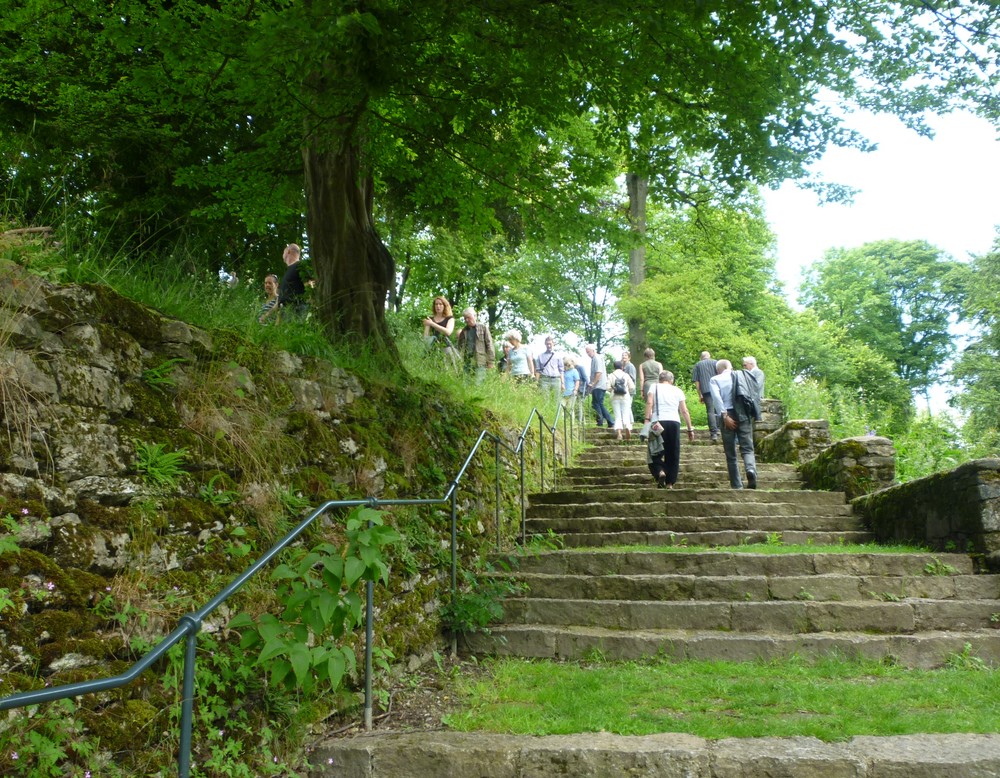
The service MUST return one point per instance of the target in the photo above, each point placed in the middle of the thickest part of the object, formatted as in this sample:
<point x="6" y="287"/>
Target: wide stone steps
<point x="729" y="537"/>
<point x="584" y="602"/>
<point x="784" y="617"/>
<point x="760" y="588"/>
<point x="549" y="641"/>
<point x="719" y="563"/>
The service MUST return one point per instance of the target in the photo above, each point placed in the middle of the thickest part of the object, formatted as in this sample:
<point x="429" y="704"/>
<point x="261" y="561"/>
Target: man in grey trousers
<point x="704" y="371"/>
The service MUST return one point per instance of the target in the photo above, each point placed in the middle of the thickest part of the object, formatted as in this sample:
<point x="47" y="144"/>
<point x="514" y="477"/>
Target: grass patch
<point x="832" y="699"/>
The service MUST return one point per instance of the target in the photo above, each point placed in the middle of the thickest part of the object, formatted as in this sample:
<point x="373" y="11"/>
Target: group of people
<point x="732" y="402"/>
<point x="287" y="296"/>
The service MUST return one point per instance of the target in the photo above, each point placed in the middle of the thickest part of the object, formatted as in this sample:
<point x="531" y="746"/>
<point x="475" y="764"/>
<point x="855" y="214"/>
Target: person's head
<point x="749" y="363"/>
<point x="618" y="364"/>
<point x="649" y="354"/>
<point x="270" y="284"/>
<point x="469" y="315"/>
<point x="550" y="343"/>
<point x="590" y="349"/>
<point x="723" y="365"/>
<point x="513" y="337"/>
<point x="569" y="363"/>
<point x="440" y="307"/>
<point x="666" y="377"/>
<point x="626" y="358"/>
<point x="291" y="254"/>
<point x="705" y="355"/>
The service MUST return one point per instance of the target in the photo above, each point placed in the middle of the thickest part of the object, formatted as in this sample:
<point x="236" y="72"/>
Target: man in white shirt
<point x="735" y="423"/>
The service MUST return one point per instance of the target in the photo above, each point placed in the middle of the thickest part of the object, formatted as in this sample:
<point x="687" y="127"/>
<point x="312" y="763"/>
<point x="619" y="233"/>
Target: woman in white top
<point x="665" y="404"/>
<point x="621" y="404"/>
<point x="519" y="362"/>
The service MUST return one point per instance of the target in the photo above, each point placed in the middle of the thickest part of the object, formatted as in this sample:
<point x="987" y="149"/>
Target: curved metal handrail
<point x="189" y="625"/>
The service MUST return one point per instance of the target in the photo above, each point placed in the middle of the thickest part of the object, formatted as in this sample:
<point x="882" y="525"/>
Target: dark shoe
<point x="661" y="479"/>
<point x="751" y="480"/>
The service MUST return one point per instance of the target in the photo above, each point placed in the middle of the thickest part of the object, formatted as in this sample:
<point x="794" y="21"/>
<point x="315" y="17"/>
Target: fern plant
<point x="158" y="466"/>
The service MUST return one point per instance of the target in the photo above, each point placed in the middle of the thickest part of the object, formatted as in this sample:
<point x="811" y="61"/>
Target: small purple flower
<point x="14" y="756"/>
<point x="24" y="511"/>
<point x="50" y="586"/>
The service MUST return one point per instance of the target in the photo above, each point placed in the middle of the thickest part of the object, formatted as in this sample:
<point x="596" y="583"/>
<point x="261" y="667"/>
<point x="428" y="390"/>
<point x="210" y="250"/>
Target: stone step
<point x="760" y="588"/>
<point x="573" y="643"/>
<point x="446" y="753"/>
<point x="727" y="563"/>
<point x="566" y="525"/>
<point x="636" y="476"/>
<point x="683" y="497"/>
<point x="716" y="538"/>
<point x="783" y="617"/>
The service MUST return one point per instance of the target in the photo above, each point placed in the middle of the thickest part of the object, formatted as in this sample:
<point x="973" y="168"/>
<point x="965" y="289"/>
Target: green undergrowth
<point x="764" y="548"/>
<point x="831" y="700"/>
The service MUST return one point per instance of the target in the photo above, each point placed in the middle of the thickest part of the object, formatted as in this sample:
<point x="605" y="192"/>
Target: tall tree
<point x="978" y="366"/>
<point x="267" y="110"/>
<point x="898" y="297"/>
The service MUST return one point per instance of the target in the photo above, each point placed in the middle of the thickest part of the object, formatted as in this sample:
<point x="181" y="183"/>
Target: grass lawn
<point x="831" y="700"/>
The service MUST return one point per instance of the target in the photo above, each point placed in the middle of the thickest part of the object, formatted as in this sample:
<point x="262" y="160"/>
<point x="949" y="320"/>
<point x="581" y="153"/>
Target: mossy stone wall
<point x="956" y="510"/>
<point x="854" y="466"/>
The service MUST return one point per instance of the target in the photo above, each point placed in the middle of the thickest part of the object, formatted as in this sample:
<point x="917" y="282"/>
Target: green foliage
<point x="211" y="493"/>
<point x="929" y="444"/>
<point x="162" y="375"/>
<point x="47" y="742"/>
<point x="159" y="466"/>
<point x="478" y="602"/>
<point x="897" y="297"/>
<point x="978" y="366"/>
<point x="317" y="589"/>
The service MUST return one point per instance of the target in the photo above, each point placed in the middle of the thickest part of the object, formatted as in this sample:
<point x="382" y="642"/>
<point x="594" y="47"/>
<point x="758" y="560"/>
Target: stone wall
<point x="854" y="466"/>
<point x="89" y="380"/>
<point x="954" y="510"/>
<point x="795" y="442"/>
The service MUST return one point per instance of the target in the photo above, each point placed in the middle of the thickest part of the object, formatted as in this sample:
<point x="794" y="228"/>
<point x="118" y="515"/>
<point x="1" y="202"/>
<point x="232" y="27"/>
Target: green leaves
<point x="317" y="589"/>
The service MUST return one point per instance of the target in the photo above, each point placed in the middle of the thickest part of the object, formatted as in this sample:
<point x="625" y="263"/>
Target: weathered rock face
<point x="795" y="442"/>
<point x="854" y="466"/>
<point x="95" y="389"/>
<point x="953" y="510"/>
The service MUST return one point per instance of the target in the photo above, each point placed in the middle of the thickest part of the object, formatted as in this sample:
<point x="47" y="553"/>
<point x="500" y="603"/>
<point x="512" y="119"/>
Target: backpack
<point x="583" y="375"/>
<point x="619" y="386"/>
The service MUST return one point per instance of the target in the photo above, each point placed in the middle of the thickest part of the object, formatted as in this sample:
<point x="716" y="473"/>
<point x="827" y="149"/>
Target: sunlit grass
<point x="831" y="699"/>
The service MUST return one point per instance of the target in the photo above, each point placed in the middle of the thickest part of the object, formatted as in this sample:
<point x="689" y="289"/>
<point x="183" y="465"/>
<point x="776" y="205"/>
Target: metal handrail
<point x="190" y="625"/>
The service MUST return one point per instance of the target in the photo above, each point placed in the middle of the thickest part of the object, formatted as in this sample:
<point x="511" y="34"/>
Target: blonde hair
<point x="512" y="335"/>
<point x="568" y="362"/>
<point x="447" y="306"/>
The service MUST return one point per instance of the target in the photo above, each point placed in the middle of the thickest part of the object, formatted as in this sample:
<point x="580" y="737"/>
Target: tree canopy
<point x="897" y="297"/>
<point x="228" y="127"/>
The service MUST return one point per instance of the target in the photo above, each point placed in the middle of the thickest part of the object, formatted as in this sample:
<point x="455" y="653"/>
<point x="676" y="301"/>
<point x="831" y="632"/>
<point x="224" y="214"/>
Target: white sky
<point x="945" y="191"/>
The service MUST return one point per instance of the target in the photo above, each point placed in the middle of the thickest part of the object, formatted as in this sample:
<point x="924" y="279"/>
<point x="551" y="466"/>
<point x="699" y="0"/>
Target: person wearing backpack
<point x="622" y="389"/>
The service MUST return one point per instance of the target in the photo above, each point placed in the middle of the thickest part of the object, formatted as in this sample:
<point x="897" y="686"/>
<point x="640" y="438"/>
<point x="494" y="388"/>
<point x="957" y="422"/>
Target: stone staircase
<point x="595" y="598"/>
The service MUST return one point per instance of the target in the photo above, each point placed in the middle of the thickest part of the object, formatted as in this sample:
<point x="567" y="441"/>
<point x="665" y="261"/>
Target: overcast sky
<point x="945" y="191"/>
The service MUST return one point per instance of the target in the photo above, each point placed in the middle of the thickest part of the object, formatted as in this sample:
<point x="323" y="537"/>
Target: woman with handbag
<point x="664" y="407"/>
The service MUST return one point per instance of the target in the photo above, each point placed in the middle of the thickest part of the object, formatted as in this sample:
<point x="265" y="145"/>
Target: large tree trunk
<point x="638" y="189"/>
<point x="354" y="270"/>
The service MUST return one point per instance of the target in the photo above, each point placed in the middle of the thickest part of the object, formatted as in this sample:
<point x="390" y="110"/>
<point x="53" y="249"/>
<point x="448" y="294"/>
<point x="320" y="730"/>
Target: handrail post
<point x="496" y="455"/>
<point x="369" y="641"/>
<point x="524" y="514"/>
<point x="454" y="559"/>
<point x="369" y="644"/>
<point x="555" y="459"/>
<point x="541" y="455"/>
<point x="187" y="699"/>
